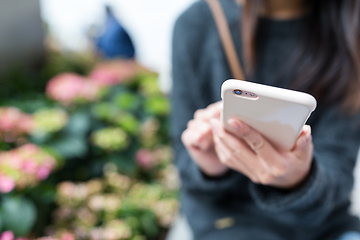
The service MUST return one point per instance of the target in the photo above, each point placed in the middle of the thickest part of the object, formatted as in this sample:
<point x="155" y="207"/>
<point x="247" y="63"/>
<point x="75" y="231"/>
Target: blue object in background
<point x="115" y="42"/>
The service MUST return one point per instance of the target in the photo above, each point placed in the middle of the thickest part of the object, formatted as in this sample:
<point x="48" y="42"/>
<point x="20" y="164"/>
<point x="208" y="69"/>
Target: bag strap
<point x="226" y="39"/>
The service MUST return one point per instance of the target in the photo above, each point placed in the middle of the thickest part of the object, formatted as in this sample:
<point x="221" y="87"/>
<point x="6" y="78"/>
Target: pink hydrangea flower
<point x="29" y="166"/>
<point x="13" y="123"/>
<point x="16" y="161"/>
<point x="7" y="184"/>
<point x="103" y="76"/>
<point x="43" y="172"/>
<point x="144" y="158"/>
<point x="90" y="90"/>
<point x="49" y="162"/>
<point x="9" y="118"/>
<point x="64" y="87"/>
<point x="69" y="87"/>
<point x="28" y="149"/>
<point x="30" y="163"/>
<point x="7" y="235"/>
<point x="113" y="72"/>
<point x="67" y="236"/>
<point x="12" y="119"/>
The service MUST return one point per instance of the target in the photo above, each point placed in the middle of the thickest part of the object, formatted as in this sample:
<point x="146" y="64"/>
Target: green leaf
<point x="103" y="110"/>
<point x="79" y="124"/>
<point x="1" y="223"/>
<point x="128" y="122"/>
<point x="18" y="215"/>
<point x="40" y="137"/>
<point x="148" y="222"/>
<point x="5" y="146"/>
<point x="149" y="85"/>
<point x="71" y="147"/>
<point x="124" y="163"/>
<point x="127" y="101"/>
<point x="158" y="105"/>
<point x="55" y="154"/>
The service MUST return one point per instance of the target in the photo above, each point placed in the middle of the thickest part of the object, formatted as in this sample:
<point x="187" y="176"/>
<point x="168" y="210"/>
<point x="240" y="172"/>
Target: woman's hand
<point x="251" y="154"/>
<point x="198" y="140"/>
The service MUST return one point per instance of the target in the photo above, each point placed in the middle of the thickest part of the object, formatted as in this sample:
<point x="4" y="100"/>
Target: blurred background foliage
<point x="85" y="151"/>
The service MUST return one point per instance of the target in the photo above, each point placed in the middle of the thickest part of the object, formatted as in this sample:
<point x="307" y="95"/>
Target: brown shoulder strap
<point x="226" y="39"/>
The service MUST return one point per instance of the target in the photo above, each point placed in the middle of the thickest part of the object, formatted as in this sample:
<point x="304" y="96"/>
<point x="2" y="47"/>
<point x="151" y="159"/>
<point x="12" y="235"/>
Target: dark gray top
<point x="318" y="210"/>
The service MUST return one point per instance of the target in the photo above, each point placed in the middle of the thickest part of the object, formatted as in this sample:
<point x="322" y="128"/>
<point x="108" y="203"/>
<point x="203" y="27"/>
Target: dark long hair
<point x="329" y="64"/>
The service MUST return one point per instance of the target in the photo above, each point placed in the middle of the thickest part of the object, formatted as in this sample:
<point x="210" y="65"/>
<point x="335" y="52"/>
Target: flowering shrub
<point x="104" y="208"/>
<point x="115" y="179"/>
<point x="24" y="167"/>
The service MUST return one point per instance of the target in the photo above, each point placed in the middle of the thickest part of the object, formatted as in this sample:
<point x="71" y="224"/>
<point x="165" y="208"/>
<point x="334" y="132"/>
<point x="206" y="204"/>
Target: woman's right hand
<point x="198" y="140"/>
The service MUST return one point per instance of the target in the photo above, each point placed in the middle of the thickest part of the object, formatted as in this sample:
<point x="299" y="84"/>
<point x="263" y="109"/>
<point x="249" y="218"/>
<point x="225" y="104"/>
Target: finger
<point x="263" y="149"/>
<point x="200" y="114"/>
<point x="232" y="159"/>
<point x="213" y="110"/>
<point x="242" y="153"/>
<point x="198" y="134"/>
<point x="233" y="142"/>
<point x="254" y="139"/>
<point x="303" y="146"/>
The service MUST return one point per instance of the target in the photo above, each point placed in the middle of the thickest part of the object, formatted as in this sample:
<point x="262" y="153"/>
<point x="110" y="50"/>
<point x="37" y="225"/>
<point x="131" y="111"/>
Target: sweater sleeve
<point x="187" y="96"/>
<point x="336" y="141"/>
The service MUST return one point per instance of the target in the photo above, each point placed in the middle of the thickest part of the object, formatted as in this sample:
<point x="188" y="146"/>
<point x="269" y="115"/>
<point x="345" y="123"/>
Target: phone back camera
<point x="237" y="92"/>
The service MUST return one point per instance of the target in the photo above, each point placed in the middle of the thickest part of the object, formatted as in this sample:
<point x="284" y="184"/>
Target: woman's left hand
<point x="250" y="153"/>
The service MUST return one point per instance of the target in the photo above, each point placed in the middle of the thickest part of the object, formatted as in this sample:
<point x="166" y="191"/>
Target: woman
<point x="238" y="186"/>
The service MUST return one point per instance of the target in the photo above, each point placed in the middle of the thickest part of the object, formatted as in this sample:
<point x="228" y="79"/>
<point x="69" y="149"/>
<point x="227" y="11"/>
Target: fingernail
<point x="213" y="125"/>
<point x="234" y="124"/>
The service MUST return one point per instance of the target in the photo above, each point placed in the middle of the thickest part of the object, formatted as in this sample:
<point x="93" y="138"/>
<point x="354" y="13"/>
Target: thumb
<point x="303" y="145"/>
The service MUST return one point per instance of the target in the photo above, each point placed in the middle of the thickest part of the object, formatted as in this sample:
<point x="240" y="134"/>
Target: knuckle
<point x="254" y="179"/>
<point x="279" y="171"/>
<point x="265" y="179"/>
<point x="226" y="160"/>
<point x="223" y="160"/>
<point x="238" y="153"/>
<point x="245" y="132"/>
<point x="206" y="144"/>
<point x="230" y="159"/>
<point x="221" y="135"/>
<point x="257" y="144"/>
<point x="190" y="123"/>
<point x="208" y="128"/>
<point x="199" y="113"/>
<point x="205" y="128"/>
<point x="184" y="137"/>
<point x="195" y="136"/>
<point x="216" y="142"/>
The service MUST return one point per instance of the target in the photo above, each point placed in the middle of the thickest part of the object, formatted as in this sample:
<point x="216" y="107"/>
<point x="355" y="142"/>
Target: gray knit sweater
<point x="318" y="210"/>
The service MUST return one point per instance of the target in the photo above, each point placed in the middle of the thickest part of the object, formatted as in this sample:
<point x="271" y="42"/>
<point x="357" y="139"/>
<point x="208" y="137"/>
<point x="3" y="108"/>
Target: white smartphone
<point x="278" y="114"/>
